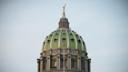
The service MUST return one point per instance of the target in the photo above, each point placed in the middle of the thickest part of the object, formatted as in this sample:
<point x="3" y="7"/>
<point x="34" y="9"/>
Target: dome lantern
<point x="63" y="23"/>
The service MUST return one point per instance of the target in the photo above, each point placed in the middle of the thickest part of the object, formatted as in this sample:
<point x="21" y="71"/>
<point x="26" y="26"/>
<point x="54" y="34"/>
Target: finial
<point x="64" y="10"/>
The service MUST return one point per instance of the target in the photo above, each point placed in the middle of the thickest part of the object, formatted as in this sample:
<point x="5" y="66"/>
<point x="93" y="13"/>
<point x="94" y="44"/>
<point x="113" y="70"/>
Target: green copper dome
<point x="64" y="37"/>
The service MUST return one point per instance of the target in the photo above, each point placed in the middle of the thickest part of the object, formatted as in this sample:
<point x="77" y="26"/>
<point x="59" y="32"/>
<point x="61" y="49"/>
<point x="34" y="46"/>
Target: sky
<point x="24" y="24"/>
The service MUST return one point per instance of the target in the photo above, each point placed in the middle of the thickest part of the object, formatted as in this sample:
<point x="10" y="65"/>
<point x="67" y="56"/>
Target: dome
<point x="64" y="38"/>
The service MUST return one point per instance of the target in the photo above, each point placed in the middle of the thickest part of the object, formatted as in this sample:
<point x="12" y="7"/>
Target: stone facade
<point x="63" y="60"/>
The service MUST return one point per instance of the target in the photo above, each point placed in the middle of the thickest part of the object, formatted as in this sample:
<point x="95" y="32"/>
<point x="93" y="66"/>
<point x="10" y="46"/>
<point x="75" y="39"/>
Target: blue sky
<point x="24" y="24"/>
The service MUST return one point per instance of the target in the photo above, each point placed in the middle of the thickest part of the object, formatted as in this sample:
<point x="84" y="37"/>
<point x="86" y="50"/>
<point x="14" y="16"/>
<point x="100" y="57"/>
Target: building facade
<point x="63" y="50"/>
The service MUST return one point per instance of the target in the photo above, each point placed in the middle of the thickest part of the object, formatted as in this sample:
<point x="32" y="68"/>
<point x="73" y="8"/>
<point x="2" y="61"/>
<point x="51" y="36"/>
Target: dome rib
<point x="67" y="38"/>
<point x="59" y="38"/>
<point x="52" y="39"/>
<point x="82" y="48"/>
<point x="75" y="39"/>
<point x="44" y="46"/>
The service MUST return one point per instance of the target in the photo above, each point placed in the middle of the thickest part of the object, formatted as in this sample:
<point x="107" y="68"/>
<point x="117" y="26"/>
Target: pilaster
<point x="48" y="63"/>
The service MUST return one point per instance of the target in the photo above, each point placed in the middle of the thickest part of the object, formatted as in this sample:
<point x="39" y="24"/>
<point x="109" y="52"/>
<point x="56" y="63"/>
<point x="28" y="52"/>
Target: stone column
<point x="38" y="65"/>
<point x="69" y="62"/>
<point x="86" y="65"/>
<point x="58" y="62"/>
<point x="41" y="65"/>
<point x="63" y="62"/>
<point x="79" y="63"/>
<point x="89" y="61"/>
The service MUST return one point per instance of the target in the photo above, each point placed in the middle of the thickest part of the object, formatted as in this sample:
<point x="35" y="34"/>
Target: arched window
<point x="74" y="63"/>
<point x="66" y="65"/>
<point x="48" y="41"/>
<point x="44" y="63"/>
<point x="61" y="62"/>
<point x="53" y="63"/>
<point x="82" y="64"/>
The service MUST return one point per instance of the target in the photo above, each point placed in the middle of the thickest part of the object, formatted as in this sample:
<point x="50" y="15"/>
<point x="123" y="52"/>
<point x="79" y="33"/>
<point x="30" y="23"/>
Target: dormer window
<point x="55" y="40"/>
<point x="72" y="39"/>
<point x="79" y="41"/>
<point x="63" y="38"/>
<point x="48" y="41"/>
<point x="70" y="33"/>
